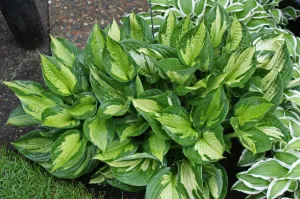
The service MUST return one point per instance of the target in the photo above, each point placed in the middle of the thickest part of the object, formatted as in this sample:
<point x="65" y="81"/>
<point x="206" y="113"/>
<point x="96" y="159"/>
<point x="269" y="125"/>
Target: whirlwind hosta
<point x="158" y="115"/>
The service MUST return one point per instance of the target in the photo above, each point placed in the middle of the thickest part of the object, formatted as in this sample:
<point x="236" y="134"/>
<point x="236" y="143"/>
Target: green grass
<point x="19" y="179"/>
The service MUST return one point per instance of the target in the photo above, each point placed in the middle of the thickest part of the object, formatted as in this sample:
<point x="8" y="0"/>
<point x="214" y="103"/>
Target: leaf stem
<point x="232" y="135"/>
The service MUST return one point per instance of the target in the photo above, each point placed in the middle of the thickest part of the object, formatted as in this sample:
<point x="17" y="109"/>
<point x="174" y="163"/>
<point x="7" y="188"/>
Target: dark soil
<point x="17" y="64"/>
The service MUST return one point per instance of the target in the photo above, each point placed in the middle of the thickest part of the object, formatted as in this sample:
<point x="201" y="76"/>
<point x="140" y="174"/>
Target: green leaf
<point x="105" y="87"/>
<point x="147" y="106"/>
<point x="116" y="150"/>
<point x="249" y="111"/>
<point x="100" y="132"/>
<point x="239" y="67"/>
<point x="113" y="107"/>
<point x="157" y="147"/>
<point x="20" y="87"/>
<point x="163" y="185"/>
<point x="37" y="144"/>
<point x="58" y="117"/>
<point x="209" y="147"/>
<point x="217" y="22"/>
<point x="118" y="62"/>
<point x="58" y="77"/>
<point x="136" y="28"/>
<point x="211" y="111"/>
<point x="200" y="8"/>
<point x="253" y="182"/>
<point x="180" y="29"/>
<point x="130" y="126"/>
<point x="286" y="158"/>
<point x="240" y="186"/>
<point x="176" y="71"/>
<point x="34" y="105"/>
<point x="166" y="30"/>
<point x="64" y="51"/>
<point x="65" y="147"/>
<point x="267" y="169"/>
<point x="176" y="122"/>
<point x="85" y="107"/>
<point x="237" y="38"/>
<point x="94" y="48"/>
<point x="183" y="90"/>
<point x="194" y="48"/>
<point x="114" y="31"/>
<point x="294" y="144"/>
<point x="252" y="139"/>
<point x="186" y="6"/>
<point x="190" y="179"/>
<point x="294" y="171"/>
<point x="248" y="158"/>
<point x="277" y="188"/>
<point x="135" y="170"/>
<point x="18" y="117"/>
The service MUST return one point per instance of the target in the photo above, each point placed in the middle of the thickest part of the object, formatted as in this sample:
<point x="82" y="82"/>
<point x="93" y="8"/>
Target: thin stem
<point x="151" y="15"/>
<point x="232" y="135"/>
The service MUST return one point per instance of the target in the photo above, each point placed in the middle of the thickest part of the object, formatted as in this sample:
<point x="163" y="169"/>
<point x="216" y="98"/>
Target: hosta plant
<point x="140" y="113"/>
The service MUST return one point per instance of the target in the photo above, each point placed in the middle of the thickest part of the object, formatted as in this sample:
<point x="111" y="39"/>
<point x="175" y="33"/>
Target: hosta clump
<point x="156" y="114"/>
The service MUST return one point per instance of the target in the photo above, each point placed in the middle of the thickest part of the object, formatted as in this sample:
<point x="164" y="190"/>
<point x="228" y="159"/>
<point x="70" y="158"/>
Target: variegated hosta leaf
<point x="58" y="77"/>
<point x="18" y="117"/>
<point x="118" y="62"/>
<point x="20" y="87"/>
<point x="116" y="150"/>
<point x="294" y="171"/>
<point x="252" y="139"/>
<point x="280" y="63"/>
<point x="240" y="186"/>
<point x="157" y="147"/>
<point x="190" y="179"/>
<point x="166" y="30"/>
<point x="186" y="7"/>
<point x="94" y="48"/>
<point x="105" y="87"/>
<point x="71" y="156"/>
<point x="277" y="188"/>
<point x="85" y="107"/>
<point x="239" y="67"/>
<point x="136" y="28"/>
<point x="163" y="185"/>
<point x="177" y="72"/>
<point x="287" y="159"/>
<point x="59" y="117"/>
<point x="217" y="180"/>
<point x="113" y="107"/>
<point x="114" y="31"/>
<point x="217" y="22"/>
<point x="37" y="144"/>
<point x="64" y="51"/>
<point x="200" y="7"/>
<point x="158" y="51"/>
<point x="105" y="174"/>
<point x="100" y="132"/>
<point x="194" y="48"/>
<point x="211" y="111"/>
<point x="135" y="170"/>
<point x="130" y="126"/>
<point x="183" y="90"/>
<point x="235" y="7"/>
<point x="180" y="29"/>
<point x="237" y="38"/>
<point x="208" y="148"/>
<point x="275" y="92"/>
<point x="273" y="127"/>
<point x="176" y="122"/>
<point x="248" y="158"/>
<point x="66" y="147"/>
<point x="147" y="66"/>
<point x="267" y="169"/>
<point x="248" y="111"/>
<point x="293" y="144"/>
<point x="253" y="182"/>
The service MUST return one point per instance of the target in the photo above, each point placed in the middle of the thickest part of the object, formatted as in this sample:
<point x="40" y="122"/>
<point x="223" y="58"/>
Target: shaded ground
<point x="16" y="63"/>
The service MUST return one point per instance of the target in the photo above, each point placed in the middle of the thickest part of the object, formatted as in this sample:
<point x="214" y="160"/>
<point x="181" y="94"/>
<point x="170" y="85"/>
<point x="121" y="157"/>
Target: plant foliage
<point x="158" y="114"/>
